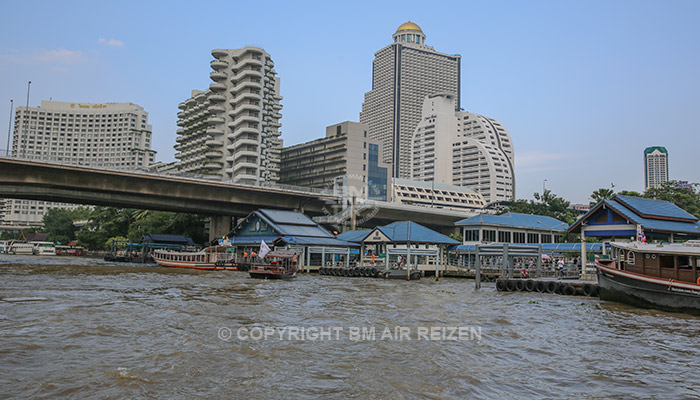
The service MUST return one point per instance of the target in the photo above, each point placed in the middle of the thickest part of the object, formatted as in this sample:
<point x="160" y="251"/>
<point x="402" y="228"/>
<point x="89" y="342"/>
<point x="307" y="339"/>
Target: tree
<point x="600" y="195"/>
<point x="547" y="204"/>
<point x="58" y="223"/>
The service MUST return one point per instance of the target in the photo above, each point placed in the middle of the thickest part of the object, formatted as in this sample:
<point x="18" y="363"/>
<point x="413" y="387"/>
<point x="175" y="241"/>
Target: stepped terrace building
<point x="230" y="132"/>
<point x="403" y="73"/>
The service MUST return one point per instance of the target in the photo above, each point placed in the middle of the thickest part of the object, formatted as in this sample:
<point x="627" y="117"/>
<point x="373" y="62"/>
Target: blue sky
<point x="583" y="87"/>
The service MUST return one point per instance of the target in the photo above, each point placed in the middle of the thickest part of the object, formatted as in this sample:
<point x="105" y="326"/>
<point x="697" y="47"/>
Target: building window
<point x="489" y="235"/>
<point x="533" y="238"/>
<point x="518" y="237"/>
<point x="503" y="237"/>
<point x="471" y="235"/>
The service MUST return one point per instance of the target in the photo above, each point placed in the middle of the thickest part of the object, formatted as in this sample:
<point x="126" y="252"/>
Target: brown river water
<point x="84" y="328"/>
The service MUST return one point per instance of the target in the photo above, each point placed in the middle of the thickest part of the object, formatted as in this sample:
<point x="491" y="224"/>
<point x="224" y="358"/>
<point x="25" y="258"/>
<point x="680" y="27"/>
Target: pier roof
<point x="619" y="216"/>
<point x="516" y="220"/>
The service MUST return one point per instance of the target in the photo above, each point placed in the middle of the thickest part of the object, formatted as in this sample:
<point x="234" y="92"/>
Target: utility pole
<point x="26" y="131"/>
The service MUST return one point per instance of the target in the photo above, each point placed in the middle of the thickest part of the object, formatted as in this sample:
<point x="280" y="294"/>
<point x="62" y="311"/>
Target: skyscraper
<point x="463" y="149"/>
<point x="655" y="167"/>
<point x="110" y="135"/>
<point x="403" y="73"/>
<point x="231" y="131"/>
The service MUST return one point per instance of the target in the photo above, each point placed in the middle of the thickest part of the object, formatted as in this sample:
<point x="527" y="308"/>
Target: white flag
<point x="264" y="249"/>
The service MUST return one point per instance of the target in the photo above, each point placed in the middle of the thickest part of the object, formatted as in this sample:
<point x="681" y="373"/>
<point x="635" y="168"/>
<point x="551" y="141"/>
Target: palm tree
<point x="600" y="195"/>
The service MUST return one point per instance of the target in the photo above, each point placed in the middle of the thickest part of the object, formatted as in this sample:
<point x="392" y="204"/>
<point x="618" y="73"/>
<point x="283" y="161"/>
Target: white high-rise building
<point x="403" y="73"/>
<point x="231" y="131"/>
<point x="463" y="149"/>
<point x="655" y="167"/>
<point x="109" y="135"/>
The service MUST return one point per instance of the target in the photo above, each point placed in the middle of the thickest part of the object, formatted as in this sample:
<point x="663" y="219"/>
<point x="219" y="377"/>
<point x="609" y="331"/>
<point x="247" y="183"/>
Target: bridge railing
<point x="170" y="174"/>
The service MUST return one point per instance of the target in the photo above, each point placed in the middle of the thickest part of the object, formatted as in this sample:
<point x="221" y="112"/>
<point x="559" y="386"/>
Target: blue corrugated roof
<point x="399" y="232"/>
<point x="354" y="236"/>
<point x="290" y="223"/>
<point x="517" y="220"/>
<point x="317" y="241"/>
<point x="287" y="217"/>
<point x="650" y="224"/>
<point x="572" y="247"/>
<point x="651" y="207"/>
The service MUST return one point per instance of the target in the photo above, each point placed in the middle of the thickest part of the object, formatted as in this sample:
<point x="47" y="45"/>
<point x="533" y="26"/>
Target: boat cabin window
<point x="630" y="257"/>
<point x="684" y="262"/>
<point x="666" y="261"/>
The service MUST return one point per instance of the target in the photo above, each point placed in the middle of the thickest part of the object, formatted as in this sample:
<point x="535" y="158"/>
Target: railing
<point x="167" y="174"/>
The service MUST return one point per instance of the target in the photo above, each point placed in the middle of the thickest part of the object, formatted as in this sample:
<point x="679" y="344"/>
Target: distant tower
<point x="655" y="167"/>
<point x="403" y="73"/>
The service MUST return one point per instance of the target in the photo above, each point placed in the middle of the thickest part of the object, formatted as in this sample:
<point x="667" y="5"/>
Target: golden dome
<point x="409" y="26"/>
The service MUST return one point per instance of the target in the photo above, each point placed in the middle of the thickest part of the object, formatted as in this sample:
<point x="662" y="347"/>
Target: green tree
<point x="58" y="223"/>
<point x="547" y="204"/>
<point x="600" y="195"/>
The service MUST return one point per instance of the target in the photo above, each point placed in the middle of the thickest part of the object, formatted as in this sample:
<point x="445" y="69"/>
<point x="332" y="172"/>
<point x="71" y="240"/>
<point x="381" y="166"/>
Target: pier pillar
<point x="219" y="226"/>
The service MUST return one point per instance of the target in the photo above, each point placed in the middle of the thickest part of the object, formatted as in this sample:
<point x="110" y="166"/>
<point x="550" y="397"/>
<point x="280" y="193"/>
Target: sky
<point x="582" y="86"/>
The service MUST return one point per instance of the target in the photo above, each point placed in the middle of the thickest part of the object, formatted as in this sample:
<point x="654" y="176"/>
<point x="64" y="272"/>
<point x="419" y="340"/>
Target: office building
<point x="655" y="167"/>
<point x="403" y="73"/>
<point x="346" y="159"/>
<point x="462" y="149"/>
<point x="106" y="135"/>
<point x="436" y="195"/>
<point x="230" y="132"/>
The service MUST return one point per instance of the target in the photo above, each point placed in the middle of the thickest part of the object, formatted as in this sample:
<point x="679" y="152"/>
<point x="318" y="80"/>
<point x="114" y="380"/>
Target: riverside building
<point x="655" y="167"/>
<point x="403" y="73"/>
<point x="462" y="149"/>
<point x="108" y="135"/>
<point x="230" y="132"/>
<point x="347" y="159"/>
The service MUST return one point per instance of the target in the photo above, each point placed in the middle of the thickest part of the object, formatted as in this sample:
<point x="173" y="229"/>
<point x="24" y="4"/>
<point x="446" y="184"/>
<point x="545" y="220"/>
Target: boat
<point x="43" y="248"/>
<point x="210" y="258"/>
<point x="278" y="264"/>
<point x="4" y="245"/>
<point x="661" y="276"/>
<point x="69" y="250"/>
<point x="19" y="247"/>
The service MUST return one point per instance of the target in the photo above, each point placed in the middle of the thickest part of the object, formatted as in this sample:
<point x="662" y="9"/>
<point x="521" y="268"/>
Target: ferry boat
<point x="4" y="246"/>
<point x="279" y="264"/>
<point x="18" y="247"/>
<point x="43" y="248"/>
<point x="68" y="250"/>
<point x="210" y="258"/>
<point x="663" y="276"/>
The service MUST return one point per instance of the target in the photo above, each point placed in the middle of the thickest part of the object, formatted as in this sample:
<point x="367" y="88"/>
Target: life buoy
<point x="698" y="282"/>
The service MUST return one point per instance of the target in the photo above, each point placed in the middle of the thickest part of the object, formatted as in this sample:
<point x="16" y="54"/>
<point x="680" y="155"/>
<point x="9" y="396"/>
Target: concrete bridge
<point x="24" y="179"/>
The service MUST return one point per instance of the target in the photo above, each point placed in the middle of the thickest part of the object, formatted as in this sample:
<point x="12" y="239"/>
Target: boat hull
<point x="204" y="266"/>
<point x="648" y="292"/>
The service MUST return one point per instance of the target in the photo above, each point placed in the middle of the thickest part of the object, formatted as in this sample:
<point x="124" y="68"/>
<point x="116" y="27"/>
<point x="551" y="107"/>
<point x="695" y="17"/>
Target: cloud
<point x="111" y="42"/>
<point x="57" y="56"/>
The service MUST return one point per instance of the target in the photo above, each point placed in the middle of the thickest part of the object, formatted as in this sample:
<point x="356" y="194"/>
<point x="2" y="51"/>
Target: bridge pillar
<point x="219" y="226"/>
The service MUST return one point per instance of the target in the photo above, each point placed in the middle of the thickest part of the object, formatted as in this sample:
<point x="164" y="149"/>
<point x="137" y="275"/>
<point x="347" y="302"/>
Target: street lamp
<point x="543" y="186"/>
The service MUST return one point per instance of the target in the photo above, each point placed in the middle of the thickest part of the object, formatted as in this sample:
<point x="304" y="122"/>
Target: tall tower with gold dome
<point x="403" y="74"/>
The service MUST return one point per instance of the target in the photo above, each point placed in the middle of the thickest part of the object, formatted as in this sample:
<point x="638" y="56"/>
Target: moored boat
<point x="210" y="258"/>
<point x="43" y="248"/>
<point x="19" y="247"/>
<point x="69" y="250"/>
<point x="663" y="276"/>
<point x="279" y="264"/>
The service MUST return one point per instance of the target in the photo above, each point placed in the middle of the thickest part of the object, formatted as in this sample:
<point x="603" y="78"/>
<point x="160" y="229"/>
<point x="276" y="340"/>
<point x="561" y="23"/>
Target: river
<point x="83" y="328"/>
